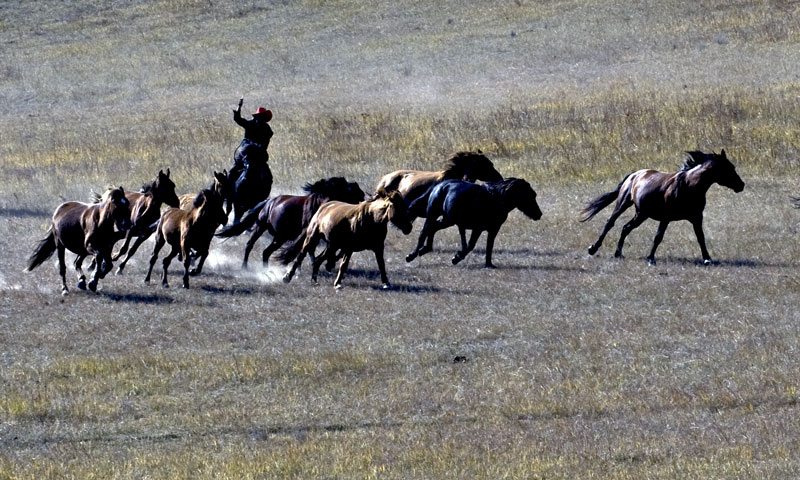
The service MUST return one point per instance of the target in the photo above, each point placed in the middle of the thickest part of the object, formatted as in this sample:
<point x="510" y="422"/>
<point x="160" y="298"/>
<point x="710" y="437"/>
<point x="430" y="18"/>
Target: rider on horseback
<point x="257" y="134"/>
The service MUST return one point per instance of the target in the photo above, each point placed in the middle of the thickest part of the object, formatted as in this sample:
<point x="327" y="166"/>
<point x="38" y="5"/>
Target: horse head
<point x="164" y="189"/>
<point x="524" y="198"/>
<point x="210" y="206"/>
<point x="118" y="208"/>
<point x="397" y="210"/>
<point x="725" y="172"/>
<point x="472" y="166"/>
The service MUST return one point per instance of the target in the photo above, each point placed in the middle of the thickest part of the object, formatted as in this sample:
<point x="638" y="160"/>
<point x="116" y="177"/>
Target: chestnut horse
<point x="84" y="229"/>
<point x="285" y="216"/>
<point x="349" y="228"/>
<point x="475" y="207"/>
<point x="220" y="184"/>
<point x="187" y="231"/>
<point x="145" y="210"/>
<point x="666" y="197"/>
<point x="412" y="184"/>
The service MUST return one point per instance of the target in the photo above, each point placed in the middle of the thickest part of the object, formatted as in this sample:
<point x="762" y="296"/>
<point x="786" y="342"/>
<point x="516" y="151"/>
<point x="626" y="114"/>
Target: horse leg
<point x="337" y="282"/>
<point x="136" y="244"/>
<point x="620" y="207"/>
<point x="382" y="267"/>
<point x="701" y="239"/>
<point x="309" y="244"/>
<point x="62" y="267"/>
<point x="662" y="227"/>
<point x="160" y="241"/>
<point x="165" y="264"/>
<point x="490" y="236"/>
<point x="425" y="241"/>
<point x="199" y="268"/>
<point x="317" y="262"/>
<point x="259" y="230"/>
<point x="473" y="240"/>
<point x="79" y="268"/>
<point x="124" y="247"/>
<point x="626" y="229"/>
<point x="462" y="232"/>
<point x="103" y="267"/>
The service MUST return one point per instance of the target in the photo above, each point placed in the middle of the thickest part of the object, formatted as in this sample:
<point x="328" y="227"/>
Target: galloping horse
<point x="666" y="197"/>
<point x="250" y="188"/>
<point x="411" y="184"/>
<point x="220" y="184"/>
<point x="285" y="216"/>
<point x="84" y="229"/>
<point x="145" y="210"/>
<point x="473" y="207"/>
<point x="187" y="231"/>
<point x="349" y="228"/>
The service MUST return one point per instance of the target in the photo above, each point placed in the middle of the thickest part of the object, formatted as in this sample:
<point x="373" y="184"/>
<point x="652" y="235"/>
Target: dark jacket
<point x="256" y="130"/>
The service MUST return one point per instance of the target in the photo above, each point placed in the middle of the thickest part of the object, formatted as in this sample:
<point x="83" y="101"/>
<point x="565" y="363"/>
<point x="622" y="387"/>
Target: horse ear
<point x="723" y="153"/>
<point x="167" y="172"/>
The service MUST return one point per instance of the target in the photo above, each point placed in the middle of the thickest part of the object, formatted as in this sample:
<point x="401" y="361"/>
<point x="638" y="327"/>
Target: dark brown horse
<point x="473" y="207"/>
<point x="220" y="184"/>
<point x="349" y="228"/>
<point x="412" y="184"/>
<point x="285" y="216"/>
<point x="145" y="211"/>
<point x="188" y="231"/>
<point x="666" y="197"/>
<point x="85" y="229"/>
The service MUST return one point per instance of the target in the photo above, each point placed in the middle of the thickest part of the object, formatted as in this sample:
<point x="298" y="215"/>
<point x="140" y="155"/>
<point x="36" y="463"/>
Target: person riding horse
<point x="257" y="134"/>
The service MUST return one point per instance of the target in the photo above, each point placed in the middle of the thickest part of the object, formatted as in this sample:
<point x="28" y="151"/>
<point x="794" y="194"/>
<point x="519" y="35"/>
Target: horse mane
<point x="694" y="158"/>
<point x="501" y="187"/>
<point x="461" y="162"/>
<point x="102" y="197"/>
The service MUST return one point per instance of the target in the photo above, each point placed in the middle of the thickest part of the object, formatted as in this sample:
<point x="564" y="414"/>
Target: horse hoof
<point x="490" y="266"/>
<point x="93" y="286"/>
<point x="118" y="272"/>
<point x="410" y="257"/>
<point x="707" y="261"/>
<point x="193" y="272"/>
<point x="186" y="285"/>
<point x="64" y="292"/>
<point x="337" y="286"/>
<point x="82" y="284"/>
<point x="593" y="250"/>
<point x="164" y="285"/>
<point x="455" y="259"/>
<point x="287" y="278"/>
<point x="385" y="286"/>
<point x="651" y="262"/>
<point x="618" y="254"/>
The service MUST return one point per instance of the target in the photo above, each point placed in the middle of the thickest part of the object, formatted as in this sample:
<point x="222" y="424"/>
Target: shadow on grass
<point x="227" y="290"/>
<point x="24" y="212"/>
<point x="138" y="298"/>
<point x="729" y="262"/>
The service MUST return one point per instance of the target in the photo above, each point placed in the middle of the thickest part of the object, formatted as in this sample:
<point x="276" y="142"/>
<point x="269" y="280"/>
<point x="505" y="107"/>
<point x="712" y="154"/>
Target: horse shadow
<point x="152" y="299"/>
<point x="731" y="262"/>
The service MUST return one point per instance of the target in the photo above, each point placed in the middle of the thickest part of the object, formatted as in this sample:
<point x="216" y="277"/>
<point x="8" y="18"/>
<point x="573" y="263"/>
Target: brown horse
<point x="219" y="184"/>
<point x="145" y="211"/>
<point x="413" y="184"/>
<point x="349" y="228"/>
<point x="667" y="197"/>
<point x="84" y="229"/>
<point x="286" y="216"/>
<point x="188" y="231"/>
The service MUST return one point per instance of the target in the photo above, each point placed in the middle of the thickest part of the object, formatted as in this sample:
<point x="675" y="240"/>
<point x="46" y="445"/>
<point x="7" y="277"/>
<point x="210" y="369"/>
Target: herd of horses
<point x="340" y="215"/>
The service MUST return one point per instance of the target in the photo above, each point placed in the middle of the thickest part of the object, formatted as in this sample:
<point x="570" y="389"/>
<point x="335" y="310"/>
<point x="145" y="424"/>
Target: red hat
<point x="264" y="111"/>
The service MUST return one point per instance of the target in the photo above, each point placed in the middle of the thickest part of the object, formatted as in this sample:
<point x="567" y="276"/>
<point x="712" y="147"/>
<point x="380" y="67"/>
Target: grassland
<point x="578" y="367"/>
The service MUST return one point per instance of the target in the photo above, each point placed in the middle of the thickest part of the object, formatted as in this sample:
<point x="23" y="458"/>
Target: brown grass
<point x="577" y="367"/>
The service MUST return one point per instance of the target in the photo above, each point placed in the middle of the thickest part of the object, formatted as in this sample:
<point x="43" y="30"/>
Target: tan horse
<point x="188" y="231"/>
<point x="84" y="229"/>
<point x="666" y="197"/>
<point x="412" y="184"/>
<point x="145" y="211"/>
<point x="349" y="228"/>
<point x="220" y="184"/>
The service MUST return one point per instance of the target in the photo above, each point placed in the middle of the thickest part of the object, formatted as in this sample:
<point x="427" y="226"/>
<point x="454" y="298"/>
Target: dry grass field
<point x="576" y="366"/>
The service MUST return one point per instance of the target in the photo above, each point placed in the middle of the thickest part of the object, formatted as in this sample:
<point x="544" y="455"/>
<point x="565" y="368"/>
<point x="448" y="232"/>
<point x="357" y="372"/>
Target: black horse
<point x="286" y="216"/>
<point x="473" y="207"/>
<point x="251" y="186"/>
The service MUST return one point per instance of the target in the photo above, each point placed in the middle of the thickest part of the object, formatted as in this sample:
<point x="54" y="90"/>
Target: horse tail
<point x="290" y="251"/>
<point x="247" y="221"/>
<point x="44" y="249"/>
<point x="419" y="206"/>
<point x="601" y="202"/>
